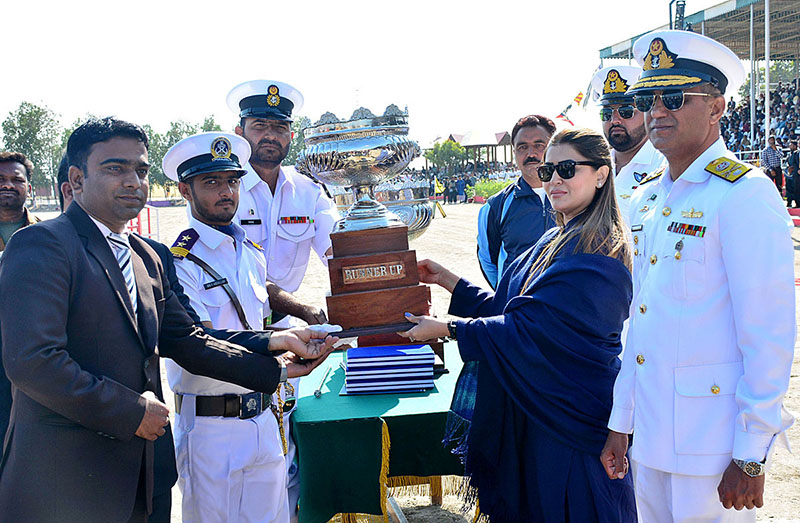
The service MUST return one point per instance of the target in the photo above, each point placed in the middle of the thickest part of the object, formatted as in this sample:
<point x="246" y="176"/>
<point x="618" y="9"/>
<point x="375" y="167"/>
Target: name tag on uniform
<point x="255" y="221"/>
<point x="636" y="228"/>
<point x="215" y="283"/>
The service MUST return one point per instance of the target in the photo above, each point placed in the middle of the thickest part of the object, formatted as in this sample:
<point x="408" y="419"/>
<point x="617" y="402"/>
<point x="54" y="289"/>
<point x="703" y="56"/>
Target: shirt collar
<point x="522" y="188"/>
<point x="251" y="178"/>
<point x="646" y="155"/>
<point x="211" y="237"/>
<point x="105" y="231"/>
<point x="696" y="172"/>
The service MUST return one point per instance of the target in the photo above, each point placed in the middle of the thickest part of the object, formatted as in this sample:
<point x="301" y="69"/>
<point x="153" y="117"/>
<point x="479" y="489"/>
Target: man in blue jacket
<point x="515" y="218"/>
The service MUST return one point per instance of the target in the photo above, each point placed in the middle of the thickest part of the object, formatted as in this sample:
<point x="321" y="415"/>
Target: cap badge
<point x="614" y="83"/>
<point x="659" y="57"/>
<point x="273" y="98"/>
<point x="221" y="148"/>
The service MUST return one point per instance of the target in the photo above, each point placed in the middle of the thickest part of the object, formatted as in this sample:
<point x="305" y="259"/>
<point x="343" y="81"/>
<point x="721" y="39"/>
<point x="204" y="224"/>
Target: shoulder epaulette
<point x="254" y="244"/>
<point x="652" y="176"/>
<point x="184" y="243"/>
<point x="728" y="169"/>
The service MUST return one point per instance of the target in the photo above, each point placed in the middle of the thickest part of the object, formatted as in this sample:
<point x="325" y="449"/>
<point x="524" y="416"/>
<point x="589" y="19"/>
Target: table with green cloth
<point x="343" y="441"/>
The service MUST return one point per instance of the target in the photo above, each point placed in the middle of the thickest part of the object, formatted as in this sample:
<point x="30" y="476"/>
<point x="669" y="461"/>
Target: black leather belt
<point x="242" y="406"/>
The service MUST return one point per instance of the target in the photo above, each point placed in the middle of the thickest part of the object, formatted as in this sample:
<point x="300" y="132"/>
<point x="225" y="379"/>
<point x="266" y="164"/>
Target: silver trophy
<point x="364" y="153"/>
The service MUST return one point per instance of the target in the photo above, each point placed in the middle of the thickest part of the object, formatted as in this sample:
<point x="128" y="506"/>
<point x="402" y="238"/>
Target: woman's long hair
<point x="599" y="227"/>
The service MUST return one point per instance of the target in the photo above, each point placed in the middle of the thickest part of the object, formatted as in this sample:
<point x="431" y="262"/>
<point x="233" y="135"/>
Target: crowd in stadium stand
<point x="784" y="119"/>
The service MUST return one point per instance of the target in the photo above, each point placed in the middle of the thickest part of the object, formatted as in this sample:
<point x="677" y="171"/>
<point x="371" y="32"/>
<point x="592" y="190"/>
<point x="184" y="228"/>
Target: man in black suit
<point x="81" y="340"/>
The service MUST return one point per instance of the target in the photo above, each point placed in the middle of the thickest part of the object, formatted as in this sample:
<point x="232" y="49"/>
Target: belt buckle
<point x="251" y="405"/>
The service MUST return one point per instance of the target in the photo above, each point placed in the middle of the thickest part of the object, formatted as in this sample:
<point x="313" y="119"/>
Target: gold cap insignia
<point x="658" y="56"/>
<point x="614" y="83"/>
<point x="221" y="148"/>
<point x="273" y="98"/>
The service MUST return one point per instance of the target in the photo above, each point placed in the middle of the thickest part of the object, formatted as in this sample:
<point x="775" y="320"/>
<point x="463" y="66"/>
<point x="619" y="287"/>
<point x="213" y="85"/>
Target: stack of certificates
<point x="397" y="368"/>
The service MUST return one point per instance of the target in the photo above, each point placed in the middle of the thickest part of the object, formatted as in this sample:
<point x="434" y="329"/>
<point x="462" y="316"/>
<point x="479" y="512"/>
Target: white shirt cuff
<point x="621" y="420"/>
<point x="753" y="447"/>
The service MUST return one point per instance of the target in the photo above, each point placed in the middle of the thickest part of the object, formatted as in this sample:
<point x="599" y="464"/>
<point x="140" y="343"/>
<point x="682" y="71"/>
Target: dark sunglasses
<point x="565" y="169"/>
<point x="672" y="99"/>
<point x="625" y="112"/>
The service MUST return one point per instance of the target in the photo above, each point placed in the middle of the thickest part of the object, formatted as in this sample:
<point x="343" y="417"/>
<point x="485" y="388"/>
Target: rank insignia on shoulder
<point x="728" y="169"/>
<point x="652" y="176"/>
<point x="254" y="244"/>
<point x="184" y="243"/>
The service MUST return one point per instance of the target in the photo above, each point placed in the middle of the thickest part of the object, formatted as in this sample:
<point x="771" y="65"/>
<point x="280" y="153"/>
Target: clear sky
<point x="457" y="65"/>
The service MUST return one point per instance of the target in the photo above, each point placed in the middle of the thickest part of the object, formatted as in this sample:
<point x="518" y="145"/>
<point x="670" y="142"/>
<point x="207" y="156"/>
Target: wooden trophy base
<point x="374" y="282"/>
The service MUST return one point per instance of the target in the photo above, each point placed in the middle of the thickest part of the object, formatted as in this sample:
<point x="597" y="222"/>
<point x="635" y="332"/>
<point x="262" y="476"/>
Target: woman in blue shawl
<point x="541" y="354"/>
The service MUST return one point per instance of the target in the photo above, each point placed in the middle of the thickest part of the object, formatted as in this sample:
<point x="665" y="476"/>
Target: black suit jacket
<point x="79" y="360"/>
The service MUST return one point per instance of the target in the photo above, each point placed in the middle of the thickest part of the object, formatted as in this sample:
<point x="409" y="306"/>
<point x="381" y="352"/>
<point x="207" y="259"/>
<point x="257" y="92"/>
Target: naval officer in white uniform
<point x="632" y="154"/>
<point x="228" y="442"/>
<point x="712" y="332"/>
<point x="286" y="212"/>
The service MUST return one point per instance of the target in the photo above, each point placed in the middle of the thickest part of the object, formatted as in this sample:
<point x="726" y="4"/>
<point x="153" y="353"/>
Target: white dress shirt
<point x="711" y="339"/>
<point x="267" y="218"/>
<point x="242" y="264"/>
<point x="644" y="162"/>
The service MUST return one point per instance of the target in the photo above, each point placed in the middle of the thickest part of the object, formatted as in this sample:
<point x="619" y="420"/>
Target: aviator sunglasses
<point x="625" y="112"/>
<point x="672" y="99"/>
<point x="565" y="169"/>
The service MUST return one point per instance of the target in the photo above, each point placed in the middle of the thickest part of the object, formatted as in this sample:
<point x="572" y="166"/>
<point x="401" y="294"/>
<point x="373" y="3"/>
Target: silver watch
<point x="751" y="468"/>
<point x="284" y="374"/>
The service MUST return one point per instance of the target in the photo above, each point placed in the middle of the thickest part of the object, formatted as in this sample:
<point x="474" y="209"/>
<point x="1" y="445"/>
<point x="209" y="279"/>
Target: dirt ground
<point x="451" y="241"/>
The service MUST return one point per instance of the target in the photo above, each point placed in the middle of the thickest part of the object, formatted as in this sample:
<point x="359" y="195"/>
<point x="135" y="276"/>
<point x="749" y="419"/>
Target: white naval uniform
<point x="287" y="245"/>
<point x="645" y="161"/>
<point x="264" y="217"/>
<point x="710" y="345"/>
<point x="229" y="469"/>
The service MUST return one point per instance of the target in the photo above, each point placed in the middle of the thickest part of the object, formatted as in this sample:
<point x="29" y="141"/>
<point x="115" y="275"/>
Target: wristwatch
<point x="751" y="468"/>
<point x="284" y="374"/>
<point x="451" y="329"/>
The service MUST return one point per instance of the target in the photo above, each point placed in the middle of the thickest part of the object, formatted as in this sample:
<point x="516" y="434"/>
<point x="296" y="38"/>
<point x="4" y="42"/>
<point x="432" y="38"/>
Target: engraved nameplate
<point x="373" y="272"/>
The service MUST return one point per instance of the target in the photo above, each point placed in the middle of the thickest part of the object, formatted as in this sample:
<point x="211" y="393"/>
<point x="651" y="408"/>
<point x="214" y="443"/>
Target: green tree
<point x="209" y="124"/>
<point x="36" y="132"/>
<point x="160" y="144"/>
<point x="779" y="71"/>
<point x="446" y="155"/>
<point x="298" y="144"/>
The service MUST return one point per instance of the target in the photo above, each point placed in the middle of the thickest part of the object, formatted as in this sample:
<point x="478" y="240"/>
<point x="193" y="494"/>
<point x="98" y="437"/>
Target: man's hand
<point x="156" y="417"/>
<point x="296" y="367"/>
<point x="613" y="455"/>
<point x="307" y="343"/>
<point x="738" y="490"/>
<point x="314" y="315"/>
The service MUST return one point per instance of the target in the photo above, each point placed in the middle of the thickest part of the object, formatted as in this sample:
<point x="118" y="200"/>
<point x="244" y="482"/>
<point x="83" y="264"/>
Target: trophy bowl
<point x="362" y="153"/>
<point x="407" y="200"/>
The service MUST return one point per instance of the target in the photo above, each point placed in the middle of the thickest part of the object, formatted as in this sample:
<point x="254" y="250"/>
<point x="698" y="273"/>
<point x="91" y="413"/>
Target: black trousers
<point x="162" y="506"/>
<point x="139" y="514"/>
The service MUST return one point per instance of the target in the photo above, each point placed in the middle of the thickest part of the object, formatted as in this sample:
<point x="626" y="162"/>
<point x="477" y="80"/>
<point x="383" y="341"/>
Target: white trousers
<point x="231" y="470"/>
<point x="662" y="497"/>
